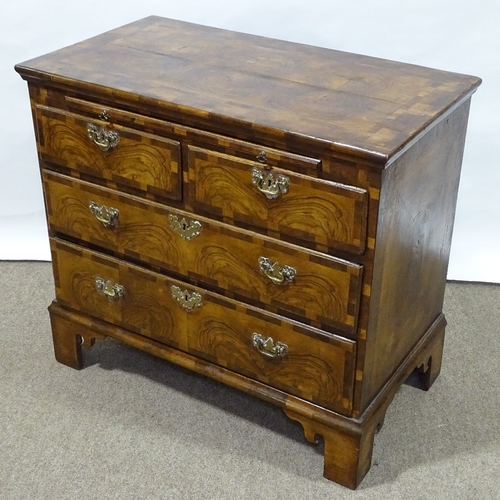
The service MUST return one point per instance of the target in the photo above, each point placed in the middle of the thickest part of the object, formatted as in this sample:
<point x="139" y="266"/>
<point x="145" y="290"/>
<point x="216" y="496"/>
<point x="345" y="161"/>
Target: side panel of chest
<point x="413" y="245"/>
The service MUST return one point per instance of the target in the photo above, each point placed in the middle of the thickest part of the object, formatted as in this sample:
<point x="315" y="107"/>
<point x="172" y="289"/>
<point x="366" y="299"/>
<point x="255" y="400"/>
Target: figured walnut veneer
<point x="327" y="213"/>
<point x="220" y="331"/>
<point x="325" y="290"/>
<point x="143" y="161"/>
<point x="320" y="294"/>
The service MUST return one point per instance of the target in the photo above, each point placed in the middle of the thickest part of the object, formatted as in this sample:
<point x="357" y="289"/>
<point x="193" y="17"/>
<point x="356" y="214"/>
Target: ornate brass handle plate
<point x="103" y="138"/>
<point x="112" y="290"/>
<point x="108" y="216"/>
<point x="268" y="348"/>
<point x="271" y="185"/>
<point x="187" y="229"/>
<point x="275" y="272"/>
<point x="187" y="301"/>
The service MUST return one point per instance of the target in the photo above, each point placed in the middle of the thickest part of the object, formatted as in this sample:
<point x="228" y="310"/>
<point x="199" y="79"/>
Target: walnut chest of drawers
<point x="275" y="216"/>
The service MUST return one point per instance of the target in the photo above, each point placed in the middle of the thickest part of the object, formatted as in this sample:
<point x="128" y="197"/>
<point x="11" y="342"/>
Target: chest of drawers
<point x="274" y="216"/>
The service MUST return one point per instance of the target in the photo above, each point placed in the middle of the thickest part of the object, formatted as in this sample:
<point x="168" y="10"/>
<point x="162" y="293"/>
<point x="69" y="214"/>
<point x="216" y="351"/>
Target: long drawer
<point x="286" y="279"/>
<point x="128" y="157"/>
<point x="266" y="347"/>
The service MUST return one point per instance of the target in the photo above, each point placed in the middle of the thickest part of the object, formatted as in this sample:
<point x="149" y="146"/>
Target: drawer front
<point x="129" y="298"/>
<point x="307" y="286"/>
<point x="129" y="157"/>
<point x="201" y="138"/>
<point x="325" y="214"/>
<point x="263" y="346"/>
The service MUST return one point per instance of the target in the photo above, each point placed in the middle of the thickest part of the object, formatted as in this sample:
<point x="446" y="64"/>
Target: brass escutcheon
<point x="271" y="185"/>
<point x="186" y="229"/>
<point x="187" y="301"/>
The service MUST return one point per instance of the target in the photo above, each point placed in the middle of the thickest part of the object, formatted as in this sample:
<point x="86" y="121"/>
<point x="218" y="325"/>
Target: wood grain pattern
<point x="140" y="160"/>
<point x="317" y="368"/>
<point x="243" y="84"/>
<point x="142" y="308"/>
<point x="326" y="213"/>
<point x="325" y="292"/>
<point x="413" y="245"/>
<point x="190" y="135"/>
<point x="317" y="371"/>
<point x="142" y="230"/>
<point x="339" y="168"/>
<point x="372" y="149"/>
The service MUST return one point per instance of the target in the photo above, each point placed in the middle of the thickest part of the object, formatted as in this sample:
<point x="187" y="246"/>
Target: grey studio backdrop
<point x="444" y="34"/>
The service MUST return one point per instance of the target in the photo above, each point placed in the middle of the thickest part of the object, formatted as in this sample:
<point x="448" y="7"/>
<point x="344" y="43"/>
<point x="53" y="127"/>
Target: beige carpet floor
<point x="130" y="426"/>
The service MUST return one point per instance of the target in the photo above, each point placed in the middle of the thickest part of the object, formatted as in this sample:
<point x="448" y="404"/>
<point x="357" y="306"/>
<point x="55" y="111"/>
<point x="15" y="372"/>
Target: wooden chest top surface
<point x="356" y="104"/>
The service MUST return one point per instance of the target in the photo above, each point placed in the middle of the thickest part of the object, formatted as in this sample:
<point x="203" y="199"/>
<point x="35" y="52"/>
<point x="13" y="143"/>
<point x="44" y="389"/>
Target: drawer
<point x="291" y="206"/>
<point x="201" y="138"/>
<point x="281" y="353"/>
<point x="265" y="156"/>
<point x="140" y="160"/>
<point x="310" y="287"/>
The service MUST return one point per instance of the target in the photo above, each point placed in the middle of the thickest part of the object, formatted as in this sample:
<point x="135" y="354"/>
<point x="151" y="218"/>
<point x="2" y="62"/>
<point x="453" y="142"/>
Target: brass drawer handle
<point x="269" y="184"/>
<point x="108" y="216"/>
<point x="275" y="272"/>
<point x="188" y="301"/>
<point x="113" y="291"/>
<point x="102" y="138"/>
<point x="187" y="229"/>
<point x="268" y="348"/>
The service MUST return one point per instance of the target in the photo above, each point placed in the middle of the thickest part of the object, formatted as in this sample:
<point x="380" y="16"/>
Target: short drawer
<point x="307" y="286"/>
<point x="201" y="138"/>
<point x="326" y="215"/>
<point x="281" y="353"/>
<point x="125" y="156"/>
